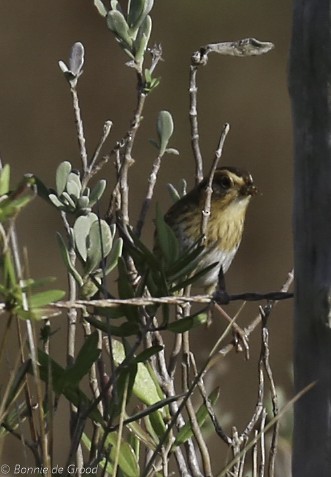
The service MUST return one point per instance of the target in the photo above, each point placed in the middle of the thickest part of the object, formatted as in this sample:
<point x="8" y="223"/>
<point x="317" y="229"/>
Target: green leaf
<point x="81" y="230"/>
<point x="148" y="353"/>
<point x="138" y="11"/>
<point x="166" y="239"/>
<point x="187" y="262"/>
<point x="173" y="193"/>
<point x="111" y="313"/>
<point x="66" y="258"/>
<point x="187" y="323"/>
<point x="145" y="254"/>
<point x="97" y="192"/>
<point x="15" y="418"/>
<point x="5" y="179"/>
<point x="135" y="10"/>
<point x="32" y="283"/>
<point x="67" y="199"/>
<point x="62" y="173"/>
<point x="74" y="186"/>
<point x="186" y="431"/>
<point x="83" y="204"/>
<point x="165" y="128"/>
<point x="127" y="461"/>
<point x="192" y="279"/>
<point x="141" y="42"/>
<point x="150" y="82"/>
<point x="100" y="7"/>
<point x="100" y="241"/>
<point x="144" y="387"/>
<point x="117" y="24"/>
<point x="171" y="150"/>
<point x="87" y="355"/>
<point x="115" y="254"/>
<point x="52" y="374"/>
<point x="17" y="383"/>
<point x="56" y="202"/>
<point x="124" y="330"/>
<point x="44" y="298"/>
<point x="103" y="463"/>
<point x="115" y="5"/>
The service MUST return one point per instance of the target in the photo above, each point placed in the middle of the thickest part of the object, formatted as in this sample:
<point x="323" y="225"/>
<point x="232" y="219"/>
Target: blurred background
<point x="37" y="132"/>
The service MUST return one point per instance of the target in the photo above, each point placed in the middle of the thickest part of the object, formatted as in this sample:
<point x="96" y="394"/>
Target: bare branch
<point x="209" y="189"/>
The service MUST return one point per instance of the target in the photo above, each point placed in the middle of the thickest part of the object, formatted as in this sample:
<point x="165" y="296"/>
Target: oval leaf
<point x="165" y="128"/>
<point x="62" y="173"/>
<point x="187" y="323"/>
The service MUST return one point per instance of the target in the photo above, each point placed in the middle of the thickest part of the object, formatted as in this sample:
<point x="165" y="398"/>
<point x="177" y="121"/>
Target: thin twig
<point x="193" y="90"/>
<point x="32" y="348"/>
<point x="244" y="47"/>
<point x="265" y="312"/>
<point x="71" y="334"/>
<point x="93" y="168"/>
<point x="127" y="159"/>
<point x="254" y="456"/>
<point x="149" y="194"/>
<point x="262" y="444"/>
<point x="235" y="447"/>
<point x="209" y="189"/>
<point x="79" y="128"/>
<point x="287" y="406"/>
<point x="193" y="461"/>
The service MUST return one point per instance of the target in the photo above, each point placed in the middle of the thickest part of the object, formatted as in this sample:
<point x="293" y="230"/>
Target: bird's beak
<point x="249" y="189"/>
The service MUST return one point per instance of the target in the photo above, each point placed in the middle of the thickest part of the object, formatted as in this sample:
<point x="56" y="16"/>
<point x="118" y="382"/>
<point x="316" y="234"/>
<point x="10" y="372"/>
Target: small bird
<point x="232" y="189"/>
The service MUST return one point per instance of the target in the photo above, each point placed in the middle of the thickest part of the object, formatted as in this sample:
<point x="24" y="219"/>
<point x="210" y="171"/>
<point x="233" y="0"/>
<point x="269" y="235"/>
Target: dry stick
<point x="298" y="396"/>
<point x="209" y="189"/>
<point x="79" y="128"/>
<point x="71" y="337"/>
<point x="254" y="456"/>
<point x="235" y="446"/>
<point x="93" y="382"/>
<point x="193" y="464"/>
<point x="178" y="341"/>
<point x="260" y="394"/>
<point x="93" y="167"/>
<point x="210" y="361"/>
<point x="221" y="354"/>
<point x="193" y="90"/>
<point x="147" y="201"/>
<point x="72" y="314"/>
<point x="167" y="385"/>
<point x="236" y="327"/>
<point x="127" y="159"/>
<point x="262" y="444"/>
<point x="242" y="465"/>
<point x="265" y="311"/>
<point x="204" y="395"/>
<point x="245" y="47"/>
<point x="174" y="419"/>
<point x="33" y="351"/>
<point x="257" y="320"/>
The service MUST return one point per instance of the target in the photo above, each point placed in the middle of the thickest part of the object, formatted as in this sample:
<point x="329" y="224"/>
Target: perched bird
<point x="232" y="189"/>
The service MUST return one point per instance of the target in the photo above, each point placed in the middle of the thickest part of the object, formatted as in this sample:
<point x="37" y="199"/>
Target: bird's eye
<point x="226" y="182"/>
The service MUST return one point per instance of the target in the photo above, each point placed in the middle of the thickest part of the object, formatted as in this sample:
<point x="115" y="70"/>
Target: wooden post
<point x="310" y="89"/>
